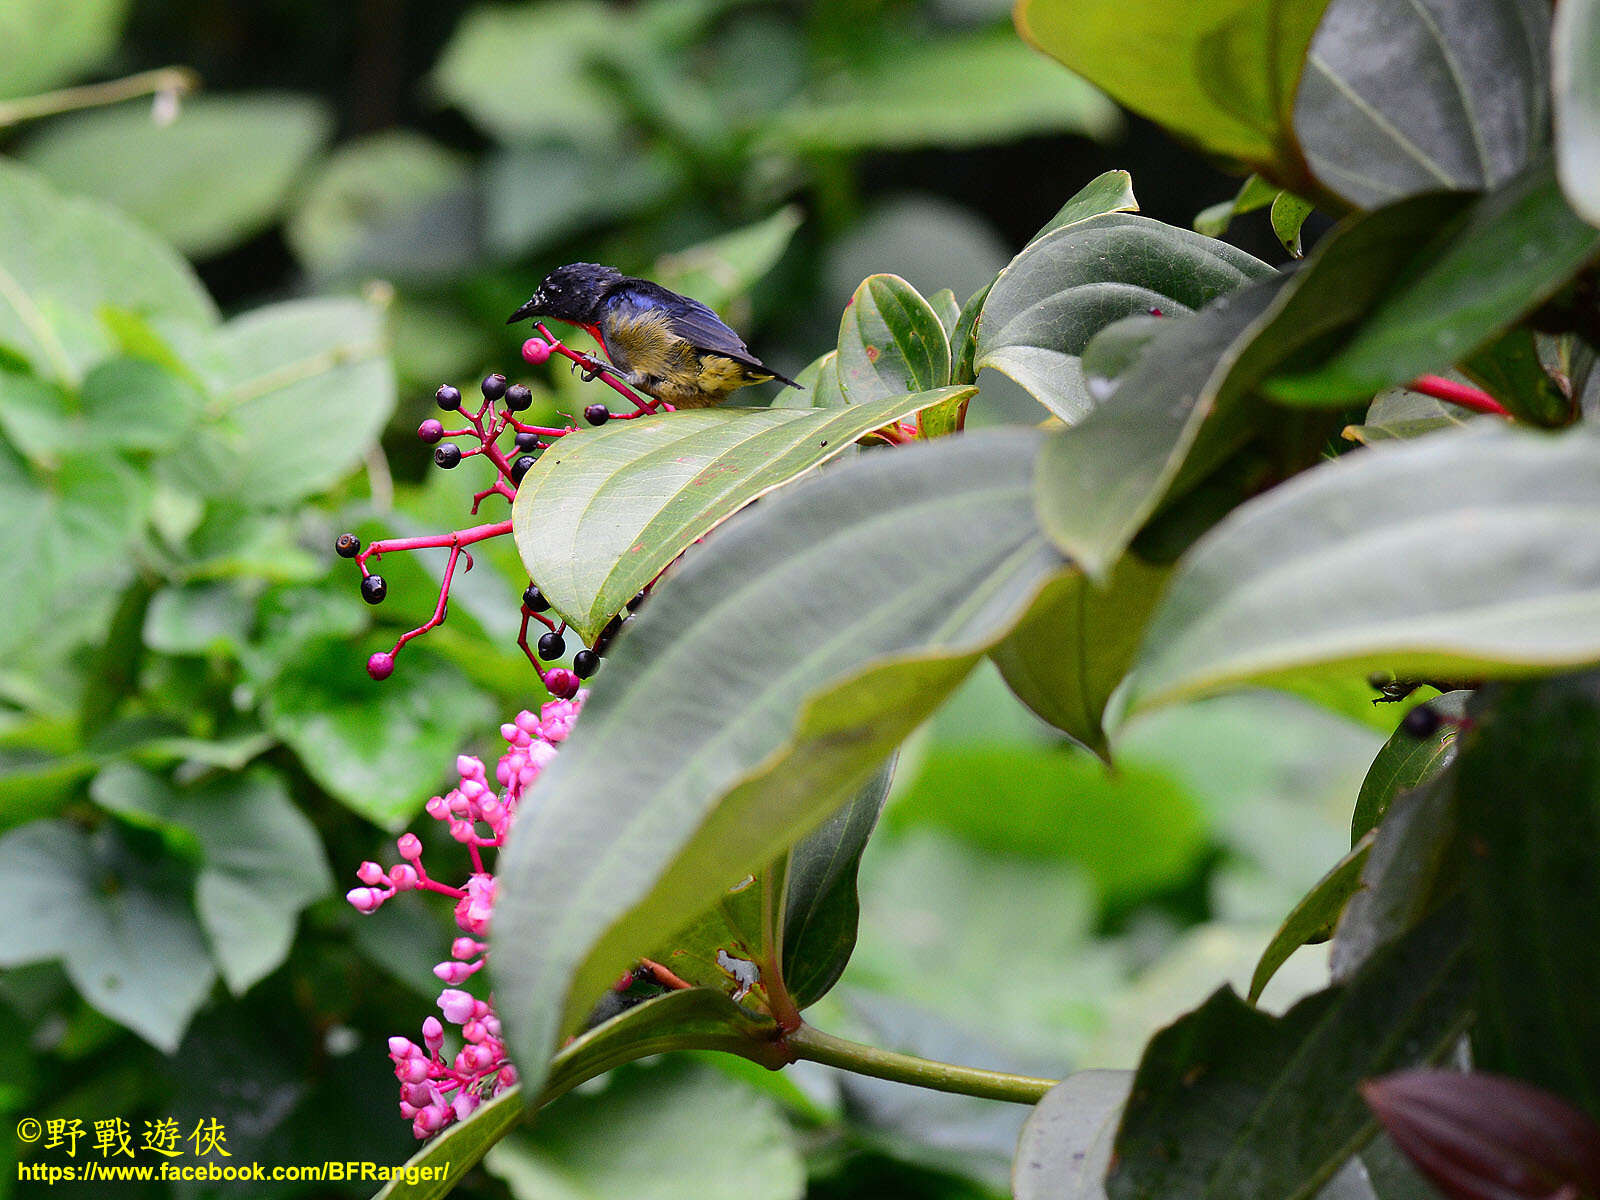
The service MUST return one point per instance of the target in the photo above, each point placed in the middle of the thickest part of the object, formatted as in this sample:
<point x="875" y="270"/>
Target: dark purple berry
<point x="348" y="545"/>
<point x="597" y="414"/>
<point x="430" y="431"/>
<point x="518" y="397"/>
<point x="374" y="589"/>
<point x="552" y="645"/>
<point x="609" y="633"/>
<point x="494" y="386"/>
<point x="1421" y="722"/>
<point x="585" y="663"/>
<point x="447" y="398"/>
<point x="521" y="467"/>
<point x="527" y="442"/>
<point x="448" y="456"/>
<point x="533" y="600"/>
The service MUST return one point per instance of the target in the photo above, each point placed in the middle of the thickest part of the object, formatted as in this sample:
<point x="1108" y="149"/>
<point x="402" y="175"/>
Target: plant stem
<point x="178" y="80"/>
<point x="810" y="1043"/>
<point x="1452" y="392"/>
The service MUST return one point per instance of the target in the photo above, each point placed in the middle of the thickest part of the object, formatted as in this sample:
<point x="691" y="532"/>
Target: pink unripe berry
<point x="561" y="682"/>
<point x="381" y="665"/>
<point x="430" y="431"/>
<point x="536" y="351"/>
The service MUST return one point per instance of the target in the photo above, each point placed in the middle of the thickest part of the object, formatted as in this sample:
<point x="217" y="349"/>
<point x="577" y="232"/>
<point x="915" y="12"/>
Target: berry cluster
<point x="496" y="416"/>
<point x="435" y="1089"/>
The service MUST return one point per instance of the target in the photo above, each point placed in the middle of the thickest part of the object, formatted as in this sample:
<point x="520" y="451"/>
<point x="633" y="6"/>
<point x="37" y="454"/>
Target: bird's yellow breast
<point x="657" y="361"/>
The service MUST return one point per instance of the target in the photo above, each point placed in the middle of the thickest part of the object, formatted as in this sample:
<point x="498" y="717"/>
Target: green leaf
<point x="1179" y="409"/>
<point x="1289" y="213"/>
<point x="49" y="43"/>
<point x="382" y="751"/>
<point x="1500" y="258"/>
<point x="1219" y="73"/>
<point x="1575" y="68"/>
<point x="956" y="90"/>
<point x="261" y="859"/>
<point x="691" y="1135"/>
<point x="1313" y="919"/>
<point x="1400" y="414"/>
<point x="1109" y="192"/>
<point x="693" y="1019"/>
<point x="267" y="370"/>
<point x="603" y="511"/>
<point x="964" y="338"/>
<point x="65" y="259"/>
<point x="218" y="174"/>
<point x="724" y="269"/>
<point x="1069" y="654"/>
<point x="1065" y="1148"/>
<point x="1232" y="1102"/>
<point x="128" y="941"/>
<point x="944" y="303"/>
<point x="1467" y="112"/>
<point x="890" y="342"/>
<point x="819" y="386"/>
<point x="1511" y="371"/>
<point x="1406" y="761"/>
<point x="1529" y="787"/>
<point x="822" y="908"/>
<point x="1455" y="556"/>
<point x="1254" y="193"/>
<point x="393" y="203"/>
<point x="806" y="605"/>
<point x="1071" y="283"/>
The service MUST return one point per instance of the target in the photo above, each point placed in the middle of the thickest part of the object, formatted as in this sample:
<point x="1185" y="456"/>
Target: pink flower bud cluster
<point x="436" y="1090"/>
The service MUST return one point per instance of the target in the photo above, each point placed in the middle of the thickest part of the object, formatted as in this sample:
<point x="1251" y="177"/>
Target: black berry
<point x="448" y="455"/>
<point x="527" y="441"/>
<point x="518" y="397"/>
<point x="494" y="386"/>
<point x="585" y="663"/>
<point x="348" y="545"/>
<point x="374" y="589"/>
<point x="447" y="398"/>
<point x="533" y="600"/>
<point x="521" y="466"/>
<point x="551" y="645"/>
<point x="430" y="431"/>
<point x="612" y="628"/>
<point x="1421" y="722"/>
<point x="597" y="414"/>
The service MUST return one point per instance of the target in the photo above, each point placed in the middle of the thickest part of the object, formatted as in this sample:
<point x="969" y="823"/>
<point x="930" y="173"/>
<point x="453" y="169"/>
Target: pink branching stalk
<point x="437" y="1089"/>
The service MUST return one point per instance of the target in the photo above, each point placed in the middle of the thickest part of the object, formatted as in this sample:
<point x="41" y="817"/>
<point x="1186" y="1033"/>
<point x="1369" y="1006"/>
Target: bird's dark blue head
<point x="571" y="293"/>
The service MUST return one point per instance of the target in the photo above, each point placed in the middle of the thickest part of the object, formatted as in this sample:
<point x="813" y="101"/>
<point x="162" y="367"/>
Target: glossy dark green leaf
<point x="1400" y="415"/>
<point x="603" y="511"/>
<point x="1501" y="257"/>
<point x="1530" y="811"/>
<point x="819" y="386"/>
<point x="1109" y="192"/>
<point x="1232" y="1102"/>
<point x="1509" y="369"/>
<point x="1466" y="112"/>
<point x="693" y="1019"/>
<point x="1455" y="556"/>
<point x="1406" y="761"/>
<point x="1069" y="654"/>
<point x="944" y="303"/>
<point x="1216" y="74"/>
<point x="1314" y="917"/>
<point x="964" y="338"/>
<point x="891" y="342"/>
<point x="1065" y="1148"/>
<point x="1575" y="70"/>
<point x="1077" y="279"/>
<point x="804" y="605"/>
<point x="821" y="907"/>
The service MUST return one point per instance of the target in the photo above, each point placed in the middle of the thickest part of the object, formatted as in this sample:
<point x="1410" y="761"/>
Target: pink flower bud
<point x="403" y="878"/>
<point x="456" y="1005"/>
<point x="465" y="947"/>
<point x="436" y="808"/>
<point x="400" y="1047"/>
<point x="364" y="899"/>
<point x="433" y="1034"/>
<point x="410" y="847"/>
<point x="370" y="872"/>
<point x="463" y="1104"/>
<point x="412" y="1070"/>
<point x="453" y="972"/>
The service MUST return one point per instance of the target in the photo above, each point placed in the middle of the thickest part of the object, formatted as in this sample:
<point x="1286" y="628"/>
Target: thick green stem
<point x="809" y="1043"/>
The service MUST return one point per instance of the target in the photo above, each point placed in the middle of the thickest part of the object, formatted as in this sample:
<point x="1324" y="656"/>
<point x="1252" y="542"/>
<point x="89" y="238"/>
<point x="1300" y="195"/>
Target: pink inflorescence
<point x="436" y="1090"/>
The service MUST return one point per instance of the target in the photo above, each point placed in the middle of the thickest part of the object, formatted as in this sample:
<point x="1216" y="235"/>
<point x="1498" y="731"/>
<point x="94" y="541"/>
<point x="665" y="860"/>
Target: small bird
<point x="668" y="346"/>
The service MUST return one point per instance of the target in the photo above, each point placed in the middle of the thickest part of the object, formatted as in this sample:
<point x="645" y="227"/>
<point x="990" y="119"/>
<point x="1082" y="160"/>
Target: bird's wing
<point x="697" y="325"/>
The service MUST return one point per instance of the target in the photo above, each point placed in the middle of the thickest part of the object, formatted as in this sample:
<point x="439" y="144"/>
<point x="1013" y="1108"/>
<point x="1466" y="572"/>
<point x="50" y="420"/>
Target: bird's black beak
<point x="526" y="311"/>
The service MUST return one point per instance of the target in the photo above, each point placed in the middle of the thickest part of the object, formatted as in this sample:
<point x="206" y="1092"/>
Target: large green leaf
<point x="1454" y="556"/>
<point x="218" y="174"/>
<point x="603" y="512"/>
<point x="1108" y="192"/>
<point x="1232" y="1102"/>
<point x="47" y="43"/>
<point x="890" y="342"/>
<point x="1406" y="761"/>
<point x="1529" y="788"/>
<point x="693" y="1019"/>
<point x="1065" y="1148"/>
<point x="1313" y="918"/>
<point x="856" y="602"/>
<point x="1466" y="111"/>
<point x="1218" y="73"/>
<point x="1074" y="281"/>
<point x="1499" y="258"/>
<point x="1575" y="67"/>
<point x="65" y="259"/>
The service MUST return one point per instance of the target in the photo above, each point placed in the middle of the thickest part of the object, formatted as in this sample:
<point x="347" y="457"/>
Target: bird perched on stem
<point x="668" y="346"/>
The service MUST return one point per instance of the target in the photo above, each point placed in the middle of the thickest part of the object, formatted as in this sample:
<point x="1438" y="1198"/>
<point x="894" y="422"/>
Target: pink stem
<point x="433" y="541"/>
<point x="594" y="368"/>
<point x="1460" y="394"/>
